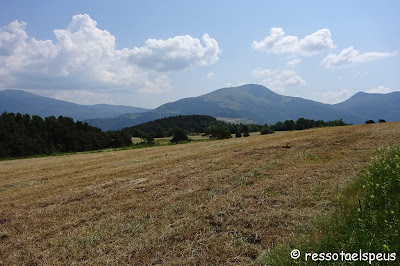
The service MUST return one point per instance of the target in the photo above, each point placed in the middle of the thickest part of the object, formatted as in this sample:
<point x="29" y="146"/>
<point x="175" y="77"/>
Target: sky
<point x="147" y="53"/>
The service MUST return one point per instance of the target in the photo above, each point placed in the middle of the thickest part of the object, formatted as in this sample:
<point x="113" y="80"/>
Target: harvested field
<point x="222" y="202"/>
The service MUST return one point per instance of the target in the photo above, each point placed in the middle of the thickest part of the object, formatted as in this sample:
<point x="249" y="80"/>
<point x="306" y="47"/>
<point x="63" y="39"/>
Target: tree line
<point x="182" y="125"/>
<point x="165" y="127"/>
<point x="25" y="135"/>
<point x="303" y="123"/>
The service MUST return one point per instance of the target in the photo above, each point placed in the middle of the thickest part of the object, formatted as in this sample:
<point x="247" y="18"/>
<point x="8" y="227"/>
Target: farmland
<point x="222" y="202"/>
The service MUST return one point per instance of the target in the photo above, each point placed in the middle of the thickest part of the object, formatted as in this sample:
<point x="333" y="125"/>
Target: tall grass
<point x="368" y="219"/>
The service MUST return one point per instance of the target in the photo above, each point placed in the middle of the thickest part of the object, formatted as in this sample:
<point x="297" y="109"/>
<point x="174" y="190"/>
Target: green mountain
<point x="14" y="101"/>
<point x="373" y="106"/>
<point x="248" y="104"/>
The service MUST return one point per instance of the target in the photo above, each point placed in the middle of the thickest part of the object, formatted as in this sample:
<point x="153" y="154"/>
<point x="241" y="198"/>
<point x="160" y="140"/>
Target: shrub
<point x="266" y="130"/>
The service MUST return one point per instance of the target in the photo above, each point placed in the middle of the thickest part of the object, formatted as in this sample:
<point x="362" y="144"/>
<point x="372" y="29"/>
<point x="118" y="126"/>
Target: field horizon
<point x="223" y="202"/>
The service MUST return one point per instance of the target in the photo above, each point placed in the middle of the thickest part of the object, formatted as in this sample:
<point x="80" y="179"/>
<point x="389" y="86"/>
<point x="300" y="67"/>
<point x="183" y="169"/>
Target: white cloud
<point x="279" y="80"/>
<point x="349" y="56"/>
<point x="210" y="75"/>
<point x="176" y="53"/>
<point x="278" y="43"/>
<point x="84" y="58"/>
<point x="333" y="97"/>
<point x="380" y="89"/>
<point x="19" y="52"/>
<point x="292" y="63"/>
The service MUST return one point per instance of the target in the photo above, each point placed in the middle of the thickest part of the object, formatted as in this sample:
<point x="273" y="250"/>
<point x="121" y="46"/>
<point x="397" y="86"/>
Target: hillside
<point x="248" y="103"/>
<point x="216" y="202"/>
<point x="16" y="101"/>
<point x="373" y="106"/>
<point x="190" y="123"/>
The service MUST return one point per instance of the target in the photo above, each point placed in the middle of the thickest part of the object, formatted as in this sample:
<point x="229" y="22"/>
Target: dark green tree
<point x="148" y="138"/>
<point x="179" y="135"/>
<point x="289" y="125"/>
<point x="245" y="130"/>
<point x="159" y="133"/>
<point x="218" y="132"/>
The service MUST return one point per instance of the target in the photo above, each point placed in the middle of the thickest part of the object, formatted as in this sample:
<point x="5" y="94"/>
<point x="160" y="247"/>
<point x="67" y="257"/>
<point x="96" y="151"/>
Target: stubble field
<point x="214" y="202"/>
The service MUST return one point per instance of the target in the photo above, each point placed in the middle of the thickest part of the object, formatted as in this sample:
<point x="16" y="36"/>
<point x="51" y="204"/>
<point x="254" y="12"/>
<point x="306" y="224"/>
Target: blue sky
<point x="146" y="53"/>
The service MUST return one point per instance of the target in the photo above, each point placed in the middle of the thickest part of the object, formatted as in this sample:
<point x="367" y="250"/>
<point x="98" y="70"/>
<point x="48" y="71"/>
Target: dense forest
<point x="25" y="135"/>
<point x="163" y="127"/>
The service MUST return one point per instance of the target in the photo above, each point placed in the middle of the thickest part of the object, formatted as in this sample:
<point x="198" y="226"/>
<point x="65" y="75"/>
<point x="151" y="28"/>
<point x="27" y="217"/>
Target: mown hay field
<point x="214" y="202"/>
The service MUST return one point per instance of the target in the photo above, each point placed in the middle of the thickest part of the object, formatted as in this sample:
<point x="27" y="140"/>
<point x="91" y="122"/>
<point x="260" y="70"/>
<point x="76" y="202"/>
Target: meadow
<point x="210" y="202"/>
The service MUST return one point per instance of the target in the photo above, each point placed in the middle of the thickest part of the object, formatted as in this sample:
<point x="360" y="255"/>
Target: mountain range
<point x="373" y="106"/>
<point x="14" y="101"/>
<point x="253" y="103"/>
<point x="249" y="103"/>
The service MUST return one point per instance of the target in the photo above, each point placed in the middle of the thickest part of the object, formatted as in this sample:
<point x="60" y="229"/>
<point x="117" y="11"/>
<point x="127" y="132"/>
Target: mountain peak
<point x="359" y="94"/>
<point x="246" y="91"/>
<point x="251" y="86"/>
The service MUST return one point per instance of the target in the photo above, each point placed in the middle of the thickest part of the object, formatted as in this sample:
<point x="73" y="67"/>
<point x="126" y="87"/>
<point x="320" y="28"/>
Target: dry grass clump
<point x="221" y="202"/>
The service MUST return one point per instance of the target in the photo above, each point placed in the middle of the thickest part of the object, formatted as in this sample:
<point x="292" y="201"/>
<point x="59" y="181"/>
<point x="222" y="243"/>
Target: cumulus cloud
<point x="84" y="56"/>
<point x="380" y="89"/>
<point x="292" y="63"/>
<point x="333" y="97"/>
<point x="279" y="43"/>
<point x="279" y="80"/>
<point x="176" y="53"/>
<point x="349" y="56"/>
<point x="19" y="52"/>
